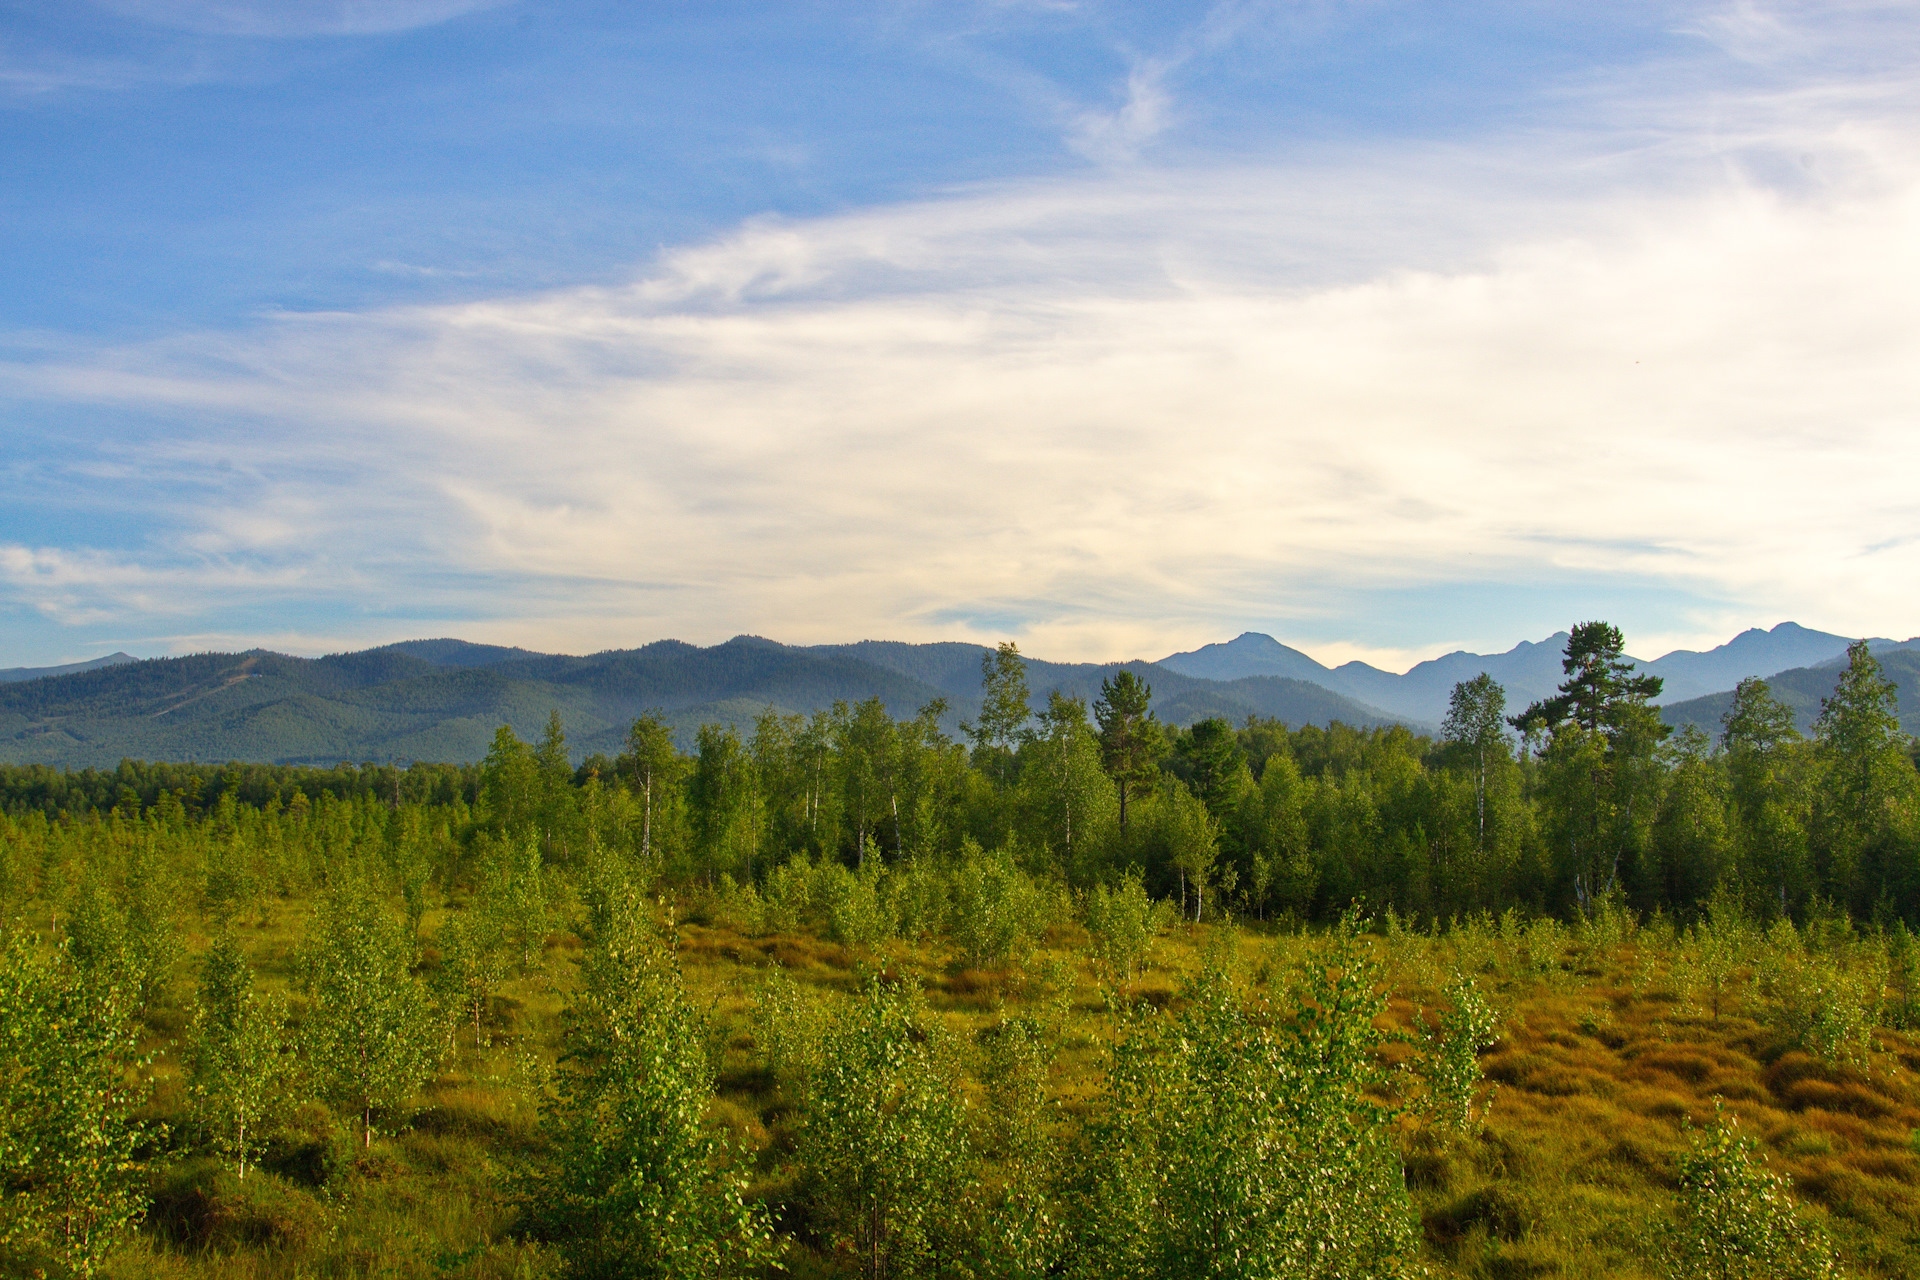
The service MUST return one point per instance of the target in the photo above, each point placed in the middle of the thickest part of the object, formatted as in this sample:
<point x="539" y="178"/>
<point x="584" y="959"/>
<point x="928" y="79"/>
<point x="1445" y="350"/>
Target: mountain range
<point x="1529" y="671"/>
<point x="443" y="699"/>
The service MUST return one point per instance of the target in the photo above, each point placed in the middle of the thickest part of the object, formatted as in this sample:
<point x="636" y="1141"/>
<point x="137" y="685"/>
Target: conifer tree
<point x="1131" y="740"/>
<point x="1867" y="812"/>
<point x="1599" y="777"/>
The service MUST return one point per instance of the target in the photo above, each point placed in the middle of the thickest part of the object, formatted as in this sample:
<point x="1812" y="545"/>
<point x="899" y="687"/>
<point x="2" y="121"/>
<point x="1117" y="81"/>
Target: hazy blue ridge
<point x="1529" y="671"/>
<point x="12" y="675"/>
<point x="444" y="699"/>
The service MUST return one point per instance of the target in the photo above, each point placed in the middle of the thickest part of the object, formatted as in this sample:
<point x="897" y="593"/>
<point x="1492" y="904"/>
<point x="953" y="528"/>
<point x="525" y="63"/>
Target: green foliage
<point x="473" y="964"/>
<point x="1712" y="958"/>
<point x="789" y="1029"/>
<point x="1476" y="720"/>
<point x="1070" y="804"/>
<point x="859" y="913"/>
<point x="884" y="1135"/>
<point x="1021" y="1233"/>
<point x="633" y="1185"/>
<point x="370" y="1033"/>
<point x="1826" y="1000"/>
<point x="70" y="1182"/>
<point x="1452" y="1065"/>
<point x="132" y="946"/>
<point x="1177" y="834"/>
<point x="1131" y="740"/>
<point x="789" y="895"/>
<point x="1737" y="1219"/>
<point x="510" y="786"/>
<point x="1123" y="922"/>
<point x="651" y="765"/>
<point x="513" y="892"/>
<point x="725" y="804"/>
<point x="918" y="899"/>
<point x="1241" y="1136"/>
<point x="237" y="1056"/>
<point x="998" y="911"/>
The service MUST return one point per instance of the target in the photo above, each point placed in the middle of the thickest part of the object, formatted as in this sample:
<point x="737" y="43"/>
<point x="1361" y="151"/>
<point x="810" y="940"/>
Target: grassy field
<point x="1609" y="1043"/>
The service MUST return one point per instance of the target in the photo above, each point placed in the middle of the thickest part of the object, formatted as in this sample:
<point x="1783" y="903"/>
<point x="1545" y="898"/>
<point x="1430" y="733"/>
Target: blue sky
<point x="1115" y="328"/>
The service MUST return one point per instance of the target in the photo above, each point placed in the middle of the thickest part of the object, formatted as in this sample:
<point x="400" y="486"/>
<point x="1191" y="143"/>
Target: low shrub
<point x="200" y="1204"/>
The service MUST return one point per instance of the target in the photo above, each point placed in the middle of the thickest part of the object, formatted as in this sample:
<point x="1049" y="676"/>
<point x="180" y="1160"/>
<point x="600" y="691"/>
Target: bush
<point x="884" y="1134"/>
<point x="70" y="1184"/>
<point x="738" y="906"/>
<point x="1124" y="922"/>
<point x="1711" y="958"/>
<point x="635" y="1185"/>
<point x="998" y="912"/>
<point x="1452" y="1066"/>
<point x="1826" y="1002"/>
<point x="917" y="898"/>
<point x="1737" y="1220"/>
<point x="859" y="914"/>
<point x="202" y="1205"/>
<point x="1241" y="1137"/>
<point x="788" y="896"/>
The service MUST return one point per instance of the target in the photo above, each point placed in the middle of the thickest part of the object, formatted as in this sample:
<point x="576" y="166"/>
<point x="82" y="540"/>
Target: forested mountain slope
<point x="1803" y="688"/>
<point x="443" y="699"/>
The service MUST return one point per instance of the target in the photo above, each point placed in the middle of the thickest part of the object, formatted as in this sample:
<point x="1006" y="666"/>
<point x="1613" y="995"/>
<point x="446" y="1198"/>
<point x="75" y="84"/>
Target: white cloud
<point x="84" y="586"/>
<point x="1116" y="135"/>
<point x="1128" y="413"/>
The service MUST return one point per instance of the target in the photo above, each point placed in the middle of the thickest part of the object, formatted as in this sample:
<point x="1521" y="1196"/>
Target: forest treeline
<point x="1548" y="809"/>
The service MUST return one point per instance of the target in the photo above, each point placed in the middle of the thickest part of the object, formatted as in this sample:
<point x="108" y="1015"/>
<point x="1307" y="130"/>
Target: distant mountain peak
<point x="14" y="675"/>
<point x="1251" y="653"/>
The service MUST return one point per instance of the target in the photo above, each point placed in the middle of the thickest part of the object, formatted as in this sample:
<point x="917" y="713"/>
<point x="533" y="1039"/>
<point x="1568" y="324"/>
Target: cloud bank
<point x="1383" y="401"/>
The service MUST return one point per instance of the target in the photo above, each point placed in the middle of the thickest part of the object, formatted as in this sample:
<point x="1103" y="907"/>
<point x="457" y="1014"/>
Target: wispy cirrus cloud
<point x="1373" y="398"/>
<point x="296" y="18"/>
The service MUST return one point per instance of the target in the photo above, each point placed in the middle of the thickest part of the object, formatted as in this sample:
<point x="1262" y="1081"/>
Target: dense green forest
<point x="1545" y="809"/>
<point x="1559" y="991"/>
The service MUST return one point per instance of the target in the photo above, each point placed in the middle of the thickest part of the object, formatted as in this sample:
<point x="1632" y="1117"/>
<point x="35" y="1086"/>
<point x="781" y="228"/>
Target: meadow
<point x="1606" y="1050"/>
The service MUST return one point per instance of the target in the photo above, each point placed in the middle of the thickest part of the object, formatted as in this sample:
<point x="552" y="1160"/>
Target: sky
<point x="1113" y="329"/>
